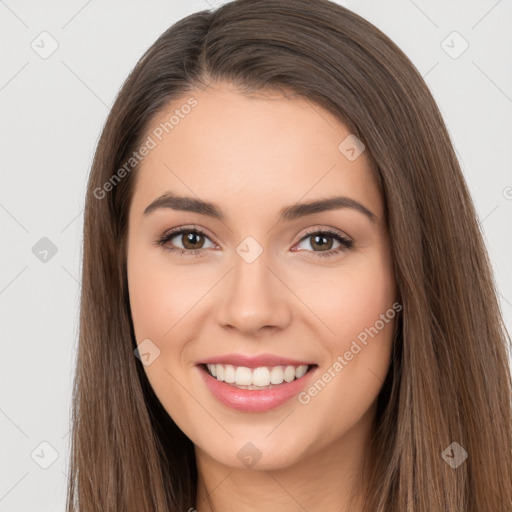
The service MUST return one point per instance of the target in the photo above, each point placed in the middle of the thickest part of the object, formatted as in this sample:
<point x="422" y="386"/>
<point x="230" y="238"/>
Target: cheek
<point x="161" y="296"/>
<point x="351" y="301"/>
<point x="149" y="302"/>
<point x="160" y="293"/>
<point x="359" y="303"/>
<point x="360" y="311"/>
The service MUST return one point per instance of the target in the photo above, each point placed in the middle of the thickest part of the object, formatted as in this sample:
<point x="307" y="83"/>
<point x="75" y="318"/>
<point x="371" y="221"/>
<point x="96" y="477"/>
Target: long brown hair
<point x="449" y="380"/>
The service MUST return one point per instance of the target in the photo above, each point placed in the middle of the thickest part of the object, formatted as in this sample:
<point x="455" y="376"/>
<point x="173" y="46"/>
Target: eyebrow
<point x="292" y="212"/>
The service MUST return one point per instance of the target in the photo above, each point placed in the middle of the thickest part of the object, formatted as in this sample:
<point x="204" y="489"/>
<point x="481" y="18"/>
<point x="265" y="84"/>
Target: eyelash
<point x="346" y="243"/>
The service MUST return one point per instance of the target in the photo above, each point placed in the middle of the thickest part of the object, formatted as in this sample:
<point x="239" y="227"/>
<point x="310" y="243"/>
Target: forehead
<point x="240" y="151"/>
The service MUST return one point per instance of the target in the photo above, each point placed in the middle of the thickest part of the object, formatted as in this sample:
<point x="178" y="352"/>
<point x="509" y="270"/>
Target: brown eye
<point x="184" y="241"/>
<point x="321" y="242"/>
<point x="192" y="239"/>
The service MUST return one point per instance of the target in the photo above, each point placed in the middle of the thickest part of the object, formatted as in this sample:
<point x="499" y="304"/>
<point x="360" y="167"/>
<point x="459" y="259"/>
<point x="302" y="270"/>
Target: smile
<point x="257" y="389"/>
<point x="261" y="377"/>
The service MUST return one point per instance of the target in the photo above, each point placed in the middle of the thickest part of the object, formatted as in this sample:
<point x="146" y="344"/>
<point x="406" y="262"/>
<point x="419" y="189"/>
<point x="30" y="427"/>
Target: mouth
<point x="258" y="389"/>
<point x="259" y="378"/>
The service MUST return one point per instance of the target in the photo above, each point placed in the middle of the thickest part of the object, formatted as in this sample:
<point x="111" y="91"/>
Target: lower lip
<point x="253" y="400"/>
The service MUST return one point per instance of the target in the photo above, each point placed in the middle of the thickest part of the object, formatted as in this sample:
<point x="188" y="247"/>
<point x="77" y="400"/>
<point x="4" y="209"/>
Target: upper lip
<point x="253" y="361"/>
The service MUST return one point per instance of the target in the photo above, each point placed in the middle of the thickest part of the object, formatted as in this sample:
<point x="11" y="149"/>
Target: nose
<point x="254" y="297"/>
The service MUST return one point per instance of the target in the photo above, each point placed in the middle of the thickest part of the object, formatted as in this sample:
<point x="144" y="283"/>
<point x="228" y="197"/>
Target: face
<point x="255" y="289"/>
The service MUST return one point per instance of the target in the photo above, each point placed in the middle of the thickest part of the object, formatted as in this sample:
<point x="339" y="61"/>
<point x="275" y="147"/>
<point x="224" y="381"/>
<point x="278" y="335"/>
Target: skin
<point x="234" y="150"/>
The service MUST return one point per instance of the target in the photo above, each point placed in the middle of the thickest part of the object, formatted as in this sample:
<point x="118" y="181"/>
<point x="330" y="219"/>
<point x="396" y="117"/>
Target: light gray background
<point x="52" y="112"/>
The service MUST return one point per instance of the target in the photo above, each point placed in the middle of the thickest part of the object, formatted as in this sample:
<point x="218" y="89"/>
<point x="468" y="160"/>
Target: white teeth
<point x="301" y="371"/>
<point x="276" y="375"/>
<point x="289" y="373"/>
<point x="261" y="377"/>
<point x="229" y="374"/>
<point x="243" y="376"/>
<point x="254" y="378"/>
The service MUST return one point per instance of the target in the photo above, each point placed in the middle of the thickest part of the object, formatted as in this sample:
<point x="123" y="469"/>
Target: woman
<point x="223" y="362"/>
